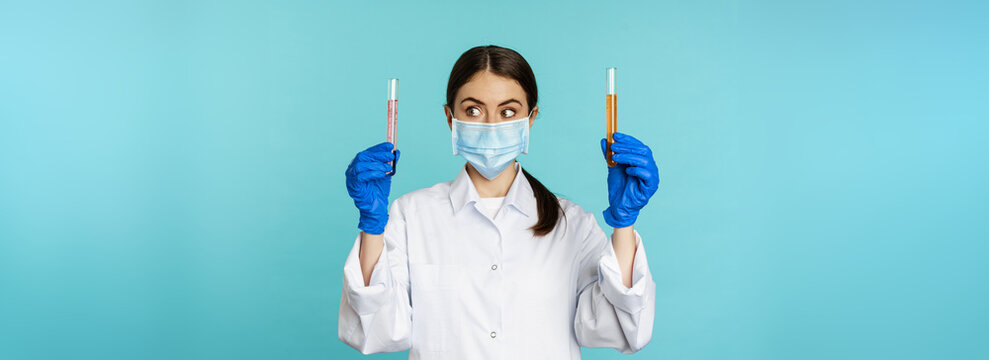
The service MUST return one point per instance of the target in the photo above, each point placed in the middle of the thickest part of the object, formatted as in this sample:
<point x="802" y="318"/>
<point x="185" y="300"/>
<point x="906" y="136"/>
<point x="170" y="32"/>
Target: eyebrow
<point x="482" y="103"/>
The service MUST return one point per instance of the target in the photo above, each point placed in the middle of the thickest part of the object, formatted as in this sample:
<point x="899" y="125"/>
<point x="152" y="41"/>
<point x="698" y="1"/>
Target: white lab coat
<point x="453" y="283"/>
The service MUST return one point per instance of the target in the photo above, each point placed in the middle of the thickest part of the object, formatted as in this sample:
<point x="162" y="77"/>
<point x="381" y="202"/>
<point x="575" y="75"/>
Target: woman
<point x="492" y="265"/>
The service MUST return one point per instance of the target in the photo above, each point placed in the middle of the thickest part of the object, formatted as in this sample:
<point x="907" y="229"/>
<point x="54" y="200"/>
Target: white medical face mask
<point x="490" y="147"/>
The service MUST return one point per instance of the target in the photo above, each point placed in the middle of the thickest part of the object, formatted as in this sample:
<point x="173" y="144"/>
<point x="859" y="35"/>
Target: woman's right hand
<point x="369" y="184"/>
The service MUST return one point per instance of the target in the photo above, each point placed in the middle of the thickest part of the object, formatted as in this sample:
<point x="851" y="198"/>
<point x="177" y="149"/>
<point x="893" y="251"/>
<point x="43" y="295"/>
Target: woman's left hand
<point x="631" y="182"/>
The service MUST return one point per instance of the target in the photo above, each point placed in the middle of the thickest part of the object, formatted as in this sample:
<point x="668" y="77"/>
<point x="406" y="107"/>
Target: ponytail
<point x="547" y="205"/>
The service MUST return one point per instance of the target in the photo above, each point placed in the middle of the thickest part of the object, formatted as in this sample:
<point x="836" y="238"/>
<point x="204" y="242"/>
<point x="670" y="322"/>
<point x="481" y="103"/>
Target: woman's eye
<point x="508" y="113"/>
<point x="473" y="111"/>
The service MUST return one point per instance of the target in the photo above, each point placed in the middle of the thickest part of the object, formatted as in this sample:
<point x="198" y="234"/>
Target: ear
<point x="449" y="116"/>
<point x="532" y="118"/>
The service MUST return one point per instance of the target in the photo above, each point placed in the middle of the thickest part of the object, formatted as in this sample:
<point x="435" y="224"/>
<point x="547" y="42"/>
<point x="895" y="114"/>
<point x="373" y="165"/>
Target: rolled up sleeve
<point x="609" y="314"/>
<point x="377" y="317"/>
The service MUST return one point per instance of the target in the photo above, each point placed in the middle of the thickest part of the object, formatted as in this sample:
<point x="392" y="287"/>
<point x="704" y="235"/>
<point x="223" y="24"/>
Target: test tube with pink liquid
<point x="393" y="120"/>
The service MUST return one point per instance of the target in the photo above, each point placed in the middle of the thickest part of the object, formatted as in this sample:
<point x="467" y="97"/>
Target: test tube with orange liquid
<point x="393" y="120"/>
<point x="612" y="113"/>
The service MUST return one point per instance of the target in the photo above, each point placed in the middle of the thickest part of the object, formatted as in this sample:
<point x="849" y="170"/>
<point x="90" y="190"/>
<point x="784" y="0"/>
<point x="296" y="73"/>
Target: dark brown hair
<point x="507" y="63"/>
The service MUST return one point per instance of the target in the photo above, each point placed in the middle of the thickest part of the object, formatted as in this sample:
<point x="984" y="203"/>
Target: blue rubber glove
<point x="630" y="183"/>
<point x="369" y="184"/>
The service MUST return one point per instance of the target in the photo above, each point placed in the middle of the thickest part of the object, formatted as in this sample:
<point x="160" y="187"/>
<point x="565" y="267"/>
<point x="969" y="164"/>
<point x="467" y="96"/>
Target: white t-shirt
<point x="490" y="206"/>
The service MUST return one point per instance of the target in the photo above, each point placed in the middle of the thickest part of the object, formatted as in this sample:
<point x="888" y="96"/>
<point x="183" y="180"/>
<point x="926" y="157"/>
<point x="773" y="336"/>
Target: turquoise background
<point x="171" y="172"/>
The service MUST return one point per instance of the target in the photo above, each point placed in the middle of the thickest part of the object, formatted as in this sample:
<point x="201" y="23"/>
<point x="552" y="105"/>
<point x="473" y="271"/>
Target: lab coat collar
<point x="520" y="194"/>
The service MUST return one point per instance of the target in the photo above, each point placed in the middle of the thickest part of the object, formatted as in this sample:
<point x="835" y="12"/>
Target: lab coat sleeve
<point x="377" y="317"/>
<point x="609" y="314"/>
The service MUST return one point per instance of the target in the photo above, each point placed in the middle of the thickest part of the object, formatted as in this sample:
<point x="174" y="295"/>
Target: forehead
<point x="491" y="89"/>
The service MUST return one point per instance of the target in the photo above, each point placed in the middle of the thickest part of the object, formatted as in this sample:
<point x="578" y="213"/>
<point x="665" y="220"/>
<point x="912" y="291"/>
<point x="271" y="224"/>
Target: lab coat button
<point x="494" y="267"/>
<point x="493" y="334"/>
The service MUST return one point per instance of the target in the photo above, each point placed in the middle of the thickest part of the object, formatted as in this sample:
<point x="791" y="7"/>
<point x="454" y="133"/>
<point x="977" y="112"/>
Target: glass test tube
<point x="393" y="119"/>
<point x="612" y="113"/>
